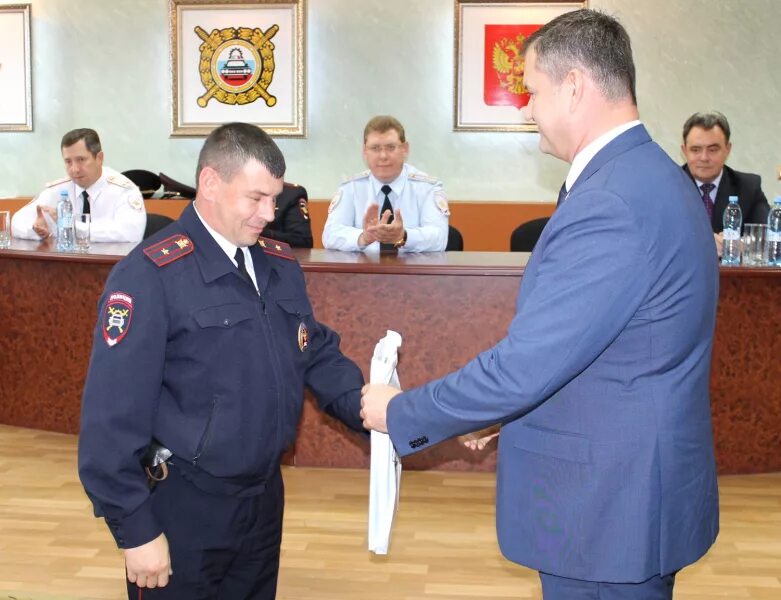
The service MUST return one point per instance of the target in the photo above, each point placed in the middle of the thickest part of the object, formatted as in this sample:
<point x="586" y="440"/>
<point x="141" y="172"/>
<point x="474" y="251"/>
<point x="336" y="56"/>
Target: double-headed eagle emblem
<point x="508" y="63"/>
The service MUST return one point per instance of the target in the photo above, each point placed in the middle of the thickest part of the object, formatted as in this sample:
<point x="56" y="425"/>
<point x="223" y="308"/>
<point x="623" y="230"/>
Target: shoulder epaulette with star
<point x="361" y="175"/>
<point x="170" y="249"/>
<point x="276" y="248"/>
<point x="423" y="177"/>
<point x="57" y="182"/>
<point x="120" y="180"/>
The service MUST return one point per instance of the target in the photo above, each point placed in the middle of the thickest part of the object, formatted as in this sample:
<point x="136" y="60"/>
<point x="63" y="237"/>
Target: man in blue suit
<point x="606" y="478"/>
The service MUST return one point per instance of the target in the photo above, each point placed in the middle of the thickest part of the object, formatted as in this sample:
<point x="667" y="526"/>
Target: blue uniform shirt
<point x="186" y="351"/>
<point x="420" y="198"/>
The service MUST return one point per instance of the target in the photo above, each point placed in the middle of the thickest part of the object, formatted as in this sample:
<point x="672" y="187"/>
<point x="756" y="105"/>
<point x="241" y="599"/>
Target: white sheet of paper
<point x="385" y="472"/>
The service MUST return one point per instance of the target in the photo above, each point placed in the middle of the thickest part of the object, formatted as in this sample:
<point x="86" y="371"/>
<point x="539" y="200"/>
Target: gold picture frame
<point x="243" y="60"/>
<point x="488" y="92"/>
<point x="16" y="107"/>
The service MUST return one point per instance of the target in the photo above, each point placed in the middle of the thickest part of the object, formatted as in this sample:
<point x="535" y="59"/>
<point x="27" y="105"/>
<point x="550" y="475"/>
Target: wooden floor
<point x="443" y="545"/>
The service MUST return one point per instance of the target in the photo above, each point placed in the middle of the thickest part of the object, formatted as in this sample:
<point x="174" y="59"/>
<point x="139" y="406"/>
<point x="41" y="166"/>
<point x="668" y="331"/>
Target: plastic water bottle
<point x="733" y="221"/>
<point x="774" y="234"/>
<point x="64" y="223"/>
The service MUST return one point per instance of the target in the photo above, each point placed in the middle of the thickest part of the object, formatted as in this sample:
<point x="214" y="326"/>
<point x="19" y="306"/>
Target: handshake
<point x="375" y="399"/>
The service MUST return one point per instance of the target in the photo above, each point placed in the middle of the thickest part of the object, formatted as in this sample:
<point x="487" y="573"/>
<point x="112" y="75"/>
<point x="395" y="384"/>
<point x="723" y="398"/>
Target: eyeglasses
<point x="387" y="148"/>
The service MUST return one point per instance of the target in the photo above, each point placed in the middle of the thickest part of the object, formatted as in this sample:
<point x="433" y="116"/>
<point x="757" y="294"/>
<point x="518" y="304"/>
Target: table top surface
<point x="318" y="260"/>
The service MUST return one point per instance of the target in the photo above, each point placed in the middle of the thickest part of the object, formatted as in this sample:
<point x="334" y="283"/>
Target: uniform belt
<point x="219" y="486"/>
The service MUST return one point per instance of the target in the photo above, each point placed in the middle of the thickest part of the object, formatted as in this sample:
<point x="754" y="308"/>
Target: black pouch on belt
<point x="154" y="463"/>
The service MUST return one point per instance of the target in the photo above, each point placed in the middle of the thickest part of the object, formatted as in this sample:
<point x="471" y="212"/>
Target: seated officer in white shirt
<point x="114" y="201"/>
<point x="392" y="206"/>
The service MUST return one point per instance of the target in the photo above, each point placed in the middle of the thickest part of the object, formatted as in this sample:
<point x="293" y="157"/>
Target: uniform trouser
<point x="561" y="588"/>
<point x="222" y="547"/>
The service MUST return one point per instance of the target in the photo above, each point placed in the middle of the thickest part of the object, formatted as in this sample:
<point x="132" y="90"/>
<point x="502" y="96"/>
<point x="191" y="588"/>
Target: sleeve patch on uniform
<point x="117" y="317"/>
<point x="170" y="249"/>
<point x="136" y="202"/>
<point x="441" y="201"/>
<point x="275" y="248"/>
<point x="304" y="208"/>
<point x="334" y="202"/>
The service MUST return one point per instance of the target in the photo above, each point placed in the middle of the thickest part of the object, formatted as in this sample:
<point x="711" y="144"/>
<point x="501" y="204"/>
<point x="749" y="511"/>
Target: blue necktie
<point x="562" y="194"/>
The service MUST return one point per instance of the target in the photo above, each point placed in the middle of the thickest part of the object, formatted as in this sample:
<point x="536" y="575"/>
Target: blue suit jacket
<point x="606" y="469"/>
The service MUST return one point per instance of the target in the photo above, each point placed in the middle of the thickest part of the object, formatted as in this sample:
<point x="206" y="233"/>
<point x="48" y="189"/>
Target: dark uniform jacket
<point x="748" y="188"/>
<point x="291" y="223"/>
<point x="185" y="351"/>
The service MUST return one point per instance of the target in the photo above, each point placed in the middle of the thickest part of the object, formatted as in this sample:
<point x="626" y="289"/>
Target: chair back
<point x="155" y="223"/>
<point x="455" y="241"/>
<point x="525" y="236"/>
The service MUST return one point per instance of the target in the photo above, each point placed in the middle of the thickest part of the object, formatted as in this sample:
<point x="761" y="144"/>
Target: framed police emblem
<point x="238" y="61"/>
<point x="489" y="94"/>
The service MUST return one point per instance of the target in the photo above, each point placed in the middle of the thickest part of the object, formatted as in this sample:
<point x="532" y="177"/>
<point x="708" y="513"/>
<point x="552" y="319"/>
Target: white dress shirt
<point x="584" y="157"/>
<point x="230" y="249"/>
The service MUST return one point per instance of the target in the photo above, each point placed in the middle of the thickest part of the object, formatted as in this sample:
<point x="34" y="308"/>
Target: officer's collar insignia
<point x="116" y="317"/>
<point x="302" y="206"/>
<point x="276" y="248"/>
<point x="169" y="250"/>
<point x="303" y="337"/>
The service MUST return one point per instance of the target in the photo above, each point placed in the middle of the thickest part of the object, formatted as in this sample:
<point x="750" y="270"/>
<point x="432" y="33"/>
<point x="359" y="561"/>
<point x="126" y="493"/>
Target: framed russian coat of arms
<point x="242" y="60"/>
<point x="489" y="94"/>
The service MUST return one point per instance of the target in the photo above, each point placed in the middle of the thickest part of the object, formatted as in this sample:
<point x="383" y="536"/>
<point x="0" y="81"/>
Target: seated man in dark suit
<point x="706" y="147"/>
<point x="291" y="222"/>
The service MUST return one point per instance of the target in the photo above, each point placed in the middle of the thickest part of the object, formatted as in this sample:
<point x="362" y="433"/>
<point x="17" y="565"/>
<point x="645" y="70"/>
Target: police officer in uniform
<point x="114" y="202"/>
<point x="291" y="222"/>
<point x="393" y="205"/>
<point x="204" y="343"/>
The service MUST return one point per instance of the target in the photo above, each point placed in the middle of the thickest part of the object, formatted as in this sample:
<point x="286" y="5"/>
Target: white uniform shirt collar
<point x="584" y="157"/>
<point x="94" y="190"/>
<point x="715" y="183"/>
<point x="230" y="248"/>
<point x="397" y="185"/>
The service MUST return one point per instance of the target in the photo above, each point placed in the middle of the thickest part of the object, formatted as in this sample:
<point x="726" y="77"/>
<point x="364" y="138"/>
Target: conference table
<point x="447" y="306"/>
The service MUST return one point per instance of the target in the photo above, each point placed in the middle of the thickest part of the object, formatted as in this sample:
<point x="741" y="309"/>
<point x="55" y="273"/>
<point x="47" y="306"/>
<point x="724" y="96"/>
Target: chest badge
<point x="303" y="337"/>
<point x="116" y="317"/>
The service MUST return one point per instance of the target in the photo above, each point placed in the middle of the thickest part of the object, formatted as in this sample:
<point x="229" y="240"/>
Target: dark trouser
<point x="222" y="547"/>
<point x="561" y="588"/>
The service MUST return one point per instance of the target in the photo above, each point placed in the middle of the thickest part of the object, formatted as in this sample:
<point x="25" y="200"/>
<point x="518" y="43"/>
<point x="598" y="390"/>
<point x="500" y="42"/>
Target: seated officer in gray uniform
<point x="114" y="201"/>
<point x="390" y="206"/>
<point x="204" y="343"/>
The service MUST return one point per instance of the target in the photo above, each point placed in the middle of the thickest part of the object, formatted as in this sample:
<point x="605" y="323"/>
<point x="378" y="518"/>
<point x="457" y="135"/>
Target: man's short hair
<point x="383" y="123"/>
<point x="90" y="137"/>
<point x="706" y="120"/>
<point x="591" y="40"/>
<point x="231" y="146"/>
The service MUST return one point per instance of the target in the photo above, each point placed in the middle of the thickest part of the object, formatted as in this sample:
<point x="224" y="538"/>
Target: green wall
<point x="105" y="65"/>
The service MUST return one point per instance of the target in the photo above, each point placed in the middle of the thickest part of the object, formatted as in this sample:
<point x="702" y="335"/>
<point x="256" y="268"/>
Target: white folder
<point x="385" y="473"/>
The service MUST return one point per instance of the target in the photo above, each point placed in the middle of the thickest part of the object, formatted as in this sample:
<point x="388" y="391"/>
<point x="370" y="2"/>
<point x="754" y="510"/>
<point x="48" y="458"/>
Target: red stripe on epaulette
<point x="276" y="248"/>
<point x="170" y="249"/>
